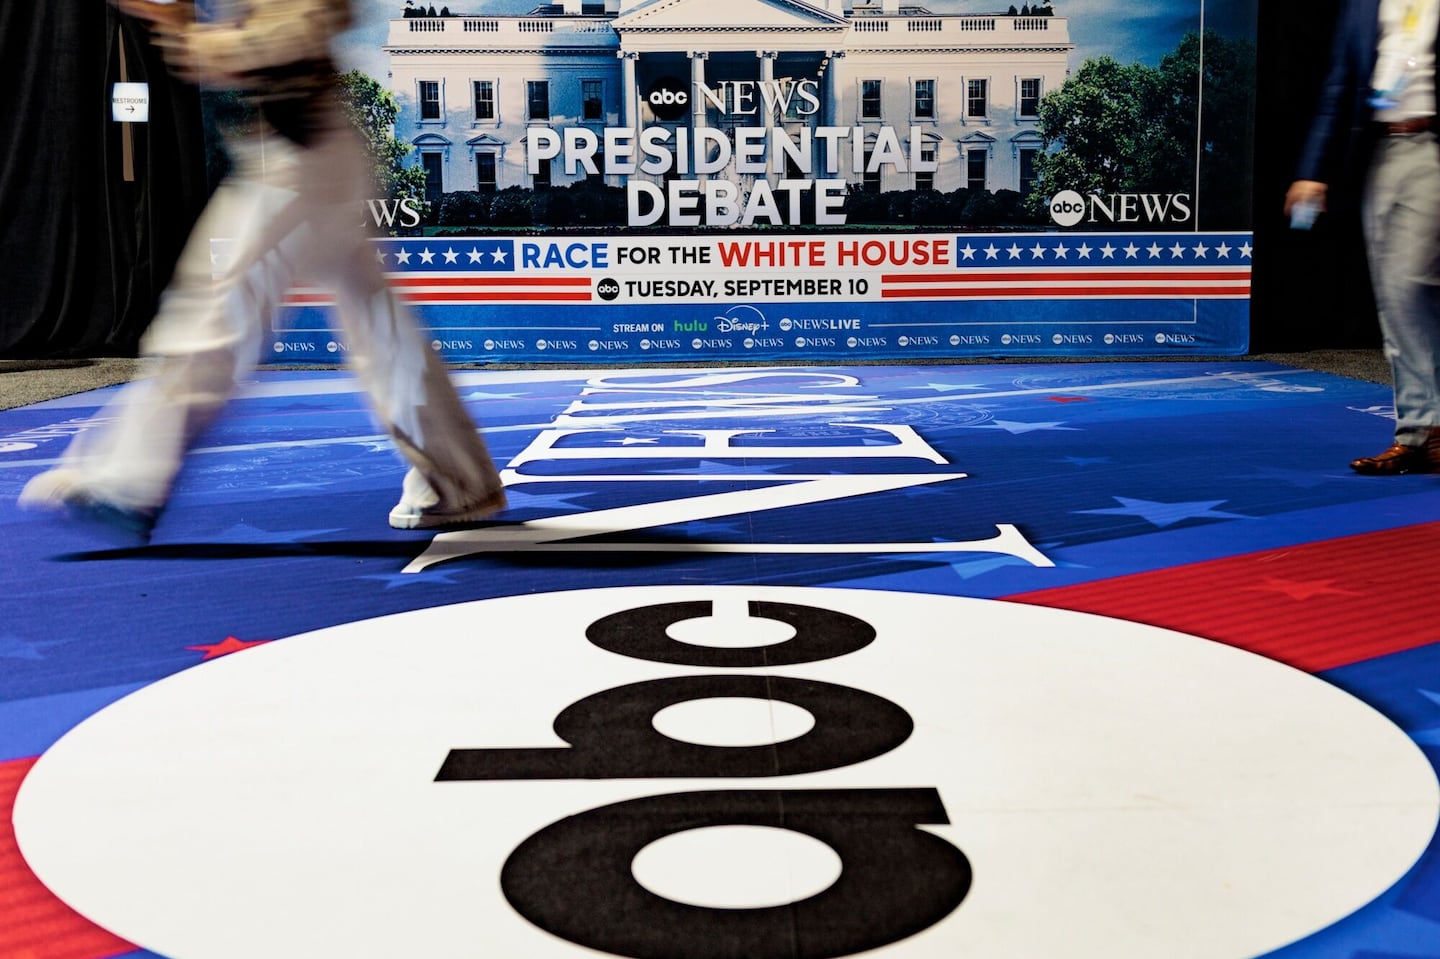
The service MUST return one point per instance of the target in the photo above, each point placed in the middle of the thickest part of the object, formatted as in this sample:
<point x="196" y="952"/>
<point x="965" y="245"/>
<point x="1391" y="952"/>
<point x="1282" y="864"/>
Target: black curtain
<point x="1310" y="289"/>
<point x="84" y="251"/>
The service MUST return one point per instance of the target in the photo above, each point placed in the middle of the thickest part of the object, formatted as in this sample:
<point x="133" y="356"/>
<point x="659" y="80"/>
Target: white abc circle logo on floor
<point x="1067" y="207"/>
<point x="401" y="786"/>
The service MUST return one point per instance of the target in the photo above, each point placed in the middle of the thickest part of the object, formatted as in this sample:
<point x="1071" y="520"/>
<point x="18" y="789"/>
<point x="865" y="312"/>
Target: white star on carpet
<point x="429" y="577"/>
<point x="1165" y="514"/>
<point x="949" y="387"/>
<point x="13" y="647"/>
<point x="1015" y="428"/>
<point x="478" y="395"/>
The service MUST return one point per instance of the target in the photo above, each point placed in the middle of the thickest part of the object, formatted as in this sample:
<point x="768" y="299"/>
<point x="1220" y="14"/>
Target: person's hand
<point x="169" y="25"/>
<point x="162" y="15"/>
<point x="1305" y="192"/>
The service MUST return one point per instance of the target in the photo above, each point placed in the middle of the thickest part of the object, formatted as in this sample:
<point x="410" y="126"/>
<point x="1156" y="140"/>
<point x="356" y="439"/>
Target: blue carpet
<point x="1167" y="493"/>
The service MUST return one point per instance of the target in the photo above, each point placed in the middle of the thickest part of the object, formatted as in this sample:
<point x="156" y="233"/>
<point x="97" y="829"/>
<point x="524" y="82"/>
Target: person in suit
<point x="1375" y="121"/>
<point x="292" y="206"/>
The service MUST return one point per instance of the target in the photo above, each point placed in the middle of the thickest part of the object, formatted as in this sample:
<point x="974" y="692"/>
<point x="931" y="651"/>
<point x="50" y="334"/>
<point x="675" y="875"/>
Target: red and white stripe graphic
<point x="1021" y="283"/>
<point x="478" y="288"/>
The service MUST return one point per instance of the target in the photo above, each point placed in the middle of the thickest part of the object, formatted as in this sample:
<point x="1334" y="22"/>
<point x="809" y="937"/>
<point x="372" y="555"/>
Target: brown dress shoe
<point x="1396" y="460"/>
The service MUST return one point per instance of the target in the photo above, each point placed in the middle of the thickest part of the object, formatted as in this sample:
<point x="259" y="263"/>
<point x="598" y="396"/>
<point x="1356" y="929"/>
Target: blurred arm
<point x="273" y="34"/>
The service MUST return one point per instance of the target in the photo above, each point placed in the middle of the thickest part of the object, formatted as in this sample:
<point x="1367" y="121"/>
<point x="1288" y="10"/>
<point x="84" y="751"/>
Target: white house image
<point x="882" y="96"/>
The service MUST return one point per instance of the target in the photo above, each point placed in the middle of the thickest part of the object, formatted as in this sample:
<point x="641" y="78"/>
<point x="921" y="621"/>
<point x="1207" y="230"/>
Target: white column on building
<point x="630" y="92"/>
<point x="767" y="77"/>
<point x="697" y="103"/>
<point x="833" y="93"/>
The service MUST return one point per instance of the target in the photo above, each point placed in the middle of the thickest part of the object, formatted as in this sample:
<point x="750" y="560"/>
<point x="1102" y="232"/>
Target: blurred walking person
<point x="292" y="205"/>
<point x="1377" y="117"/>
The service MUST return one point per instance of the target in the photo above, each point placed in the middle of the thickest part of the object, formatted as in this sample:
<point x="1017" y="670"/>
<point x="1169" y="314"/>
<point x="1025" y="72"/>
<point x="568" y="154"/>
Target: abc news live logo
<point x="1067" y="208"/>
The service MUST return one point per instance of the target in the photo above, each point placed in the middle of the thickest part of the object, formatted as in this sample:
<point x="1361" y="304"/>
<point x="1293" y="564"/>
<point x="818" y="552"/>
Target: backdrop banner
<point x="772" y="179"/>
<point x="572" y="298"/>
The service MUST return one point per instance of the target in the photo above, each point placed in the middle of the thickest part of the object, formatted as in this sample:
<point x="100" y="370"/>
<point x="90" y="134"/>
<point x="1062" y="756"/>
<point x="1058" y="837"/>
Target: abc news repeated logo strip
<point x="865" y="333"/>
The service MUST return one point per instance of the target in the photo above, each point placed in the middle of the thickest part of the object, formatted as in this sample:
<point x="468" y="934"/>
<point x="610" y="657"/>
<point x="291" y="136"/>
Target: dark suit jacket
<point x="1339" y="133"/>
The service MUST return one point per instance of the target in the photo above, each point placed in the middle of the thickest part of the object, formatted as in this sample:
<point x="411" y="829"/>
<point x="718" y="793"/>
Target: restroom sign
<point x="130" y="103"/>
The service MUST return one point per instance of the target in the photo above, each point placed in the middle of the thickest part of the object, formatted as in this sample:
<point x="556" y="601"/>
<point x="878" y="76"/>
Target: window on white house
<point x="484" y="99"/>
<point x="592" y="95"/>
<point x="870" y="99"/>
<point x="870" y="179"/>
<point x="434" y="165"/>
<point x="975" y="161"/>
<point x="925" y="179"/>
<point x="486" y="172"/>
<point x="1027" y="171"/>
<point x="977" y="98"/>
<point x="1030" y="97"/>
<point x="537" y="99"/>
<point x="430" y="100"/>
<point x="925" y="99"/>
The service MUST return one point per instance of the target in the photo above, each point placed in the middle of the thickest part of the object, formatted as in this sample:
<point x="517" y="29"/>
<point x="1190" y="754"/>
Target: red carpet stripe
<point x="1315" y="606"/>
<point x="33" y="923"/>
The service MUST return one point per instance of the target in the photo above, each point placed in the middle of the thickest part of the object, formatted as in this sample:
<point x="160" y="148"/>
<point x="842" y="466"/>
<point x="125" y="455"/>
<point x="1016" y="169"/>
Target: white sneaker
<point x="68" y="491"/>
<point x="408" y="516"/>
<point x="420" y="507"/>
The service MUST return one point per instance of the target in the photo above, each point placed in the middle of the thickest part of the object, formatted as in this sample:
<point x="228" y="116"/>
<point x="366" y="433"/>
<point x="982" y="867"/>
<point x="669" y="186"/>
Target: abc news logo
<point x="1068" y="208"/>
<point x="668" y="99"/>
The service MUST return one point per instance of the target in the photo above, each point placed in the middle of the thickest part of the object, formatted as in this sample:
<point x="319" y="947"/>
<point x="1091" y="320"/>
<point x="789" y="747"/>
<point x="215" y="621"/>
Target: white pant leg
<point x="205" y="336"/>
<point x="408" y="385"/>
<point x="291" y="212"/>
